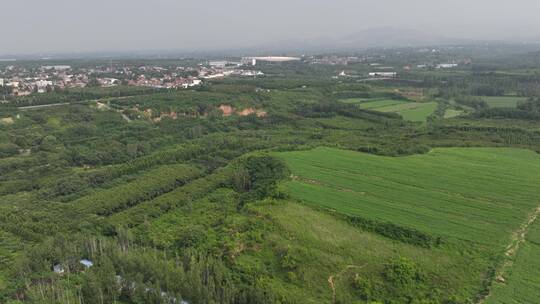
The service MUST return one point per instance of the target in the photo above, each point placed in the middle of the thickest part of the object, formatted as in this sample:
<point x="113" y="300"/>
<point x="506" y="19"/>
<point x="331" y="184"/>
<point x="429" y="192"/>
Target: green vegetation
<point x="315" y="247"/>
<point x="151" y="184"/>
<point x="451" y="113"/>
<point x="454" y="198"/>
<point x="478" y="195"/>
<point x="412" y="111"/>
<point x="380" y="103"/>
<point x="522" y="282"/>
<point x="420" y="112"/>
<point x="503" y="101"/>
<point x="355" y="100"/>
<point x="311" y="189"/>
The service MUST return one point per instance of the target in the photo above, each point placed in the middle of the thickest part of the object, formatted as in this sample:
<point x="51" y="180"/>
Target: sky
<point x="33" y="26"/>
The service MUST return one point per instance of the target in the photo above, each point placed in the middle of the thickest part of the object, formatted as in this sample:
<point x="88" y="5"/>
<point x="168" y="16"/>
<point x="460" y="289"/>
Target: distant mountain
<point x="393" y="37"/>
<point x="379" y="37"/>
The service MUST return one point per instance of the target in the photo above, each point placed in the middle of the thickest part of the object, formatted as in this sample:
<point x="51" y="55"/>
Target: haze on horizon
<point x="34" y="26"/>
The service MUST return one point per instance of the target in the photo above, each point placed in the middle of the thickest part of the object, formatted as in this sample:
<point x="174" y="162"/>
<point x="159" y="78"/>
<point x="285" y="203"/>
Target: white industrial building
<point x="56" y="67"/>
<point x="446" y="65"/>
<point x="383" y="74"/>
<point x="253" y="60"/>
<point x="217" y="64"/>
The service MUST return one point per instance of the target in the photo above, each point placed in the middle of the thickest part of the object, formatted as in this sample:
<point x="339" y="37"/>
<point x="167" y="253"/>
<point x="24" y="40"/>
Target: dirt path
<point x="43" y="106"/>
<point x="125" y="117"/>
<point x="332" y="283"/>
<point x="333" y="287"/>
<point x="76" y="102"/>
<point x="518" y="238"/>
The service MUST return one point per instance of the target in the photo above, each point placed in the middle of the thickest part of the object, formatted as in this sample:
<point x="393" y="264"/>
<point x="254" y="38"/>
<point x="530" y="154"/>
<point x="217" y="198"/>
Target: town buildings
<point x="22" y="81"/>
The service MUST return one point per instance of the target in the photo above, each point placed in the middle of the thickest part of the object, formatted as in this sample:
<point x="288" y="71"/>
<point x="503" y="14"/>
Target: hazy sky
<point x="31" y="26"/>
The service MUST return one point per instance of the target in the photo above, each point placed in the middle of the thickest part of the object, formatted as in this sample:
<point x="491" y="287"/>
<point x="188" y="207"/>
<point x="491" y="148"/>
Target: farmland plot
<point x="412" y="111"/>
<point x="478" y="195"/>
<point x="522" y="280"/>
<point x="502" y="101"/>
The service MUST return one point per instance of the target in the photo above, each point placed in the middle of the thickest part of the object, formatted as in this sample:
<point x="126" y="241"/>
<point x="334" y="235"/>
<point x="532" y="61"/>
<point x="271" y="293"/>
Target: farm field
<point x="331" y="248"/>
<point x="502" y="101"/>
<point x="380" y="103"/>
<point x="479" y="195"/>
<point x="412" y="111"/>
<point x="419" y="113"/>
<point x="523" y="278"/>
<point x="357" y="100"/>
<point x="403" y="106"/>
<point x="325" y="245"/>
<point x="451" y="113"/>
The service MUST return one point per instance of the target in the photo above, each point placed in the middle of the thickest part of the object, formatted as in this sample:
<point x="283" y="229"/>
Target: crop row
<point x="159" y="205"/>
<point x="147" y="186"/>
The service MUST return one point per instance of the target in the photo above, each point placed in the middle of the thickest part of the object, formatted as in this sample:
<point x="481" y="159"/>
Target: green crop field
<point x="451" y="113"/>
<point x="412" y="111"/>
<point x="403" y="106"/>
<point x="419" y="113"/>
<point x="474" y="198"/>
<point x="381" y="103"/>
<point x="357" y="100"/>
<point x="502" y="101"/>
<point x="342" y="251"/>
<point x="480" y="195"/>
<point x="523" y="279"/>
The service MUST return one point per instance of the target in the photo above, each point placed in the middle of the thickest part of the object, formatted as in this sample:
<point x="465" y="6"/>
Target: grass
<point x="404" y="106"/>
<point x="419" y="113"/>
<point x="293" y="249"/>
<point x="502" y="101"/>
<point x="479" y="195"/>
<point x="357" y="100"/>
<point x="10" y="245"/>
<point x="381" y="103"/>
<point x="412" y="111"/>
<point x="326" y="246"/>
<point x="345" y="123"/>
<point x="474" y="198"/>
<point x="451" y="113"/>
<point x="523" y="279"/>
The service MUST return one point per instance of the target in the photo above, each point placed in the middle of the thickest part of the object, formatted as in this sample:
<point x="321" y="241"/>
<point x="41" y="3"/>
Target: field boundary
<point x="518" y="238"/>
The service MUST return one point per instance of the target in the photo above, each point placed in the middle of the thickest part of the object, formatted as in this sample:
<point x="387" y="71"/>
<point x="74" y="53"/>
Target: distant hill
<point x="393" y="37"/>
<point x="369" y="38"/>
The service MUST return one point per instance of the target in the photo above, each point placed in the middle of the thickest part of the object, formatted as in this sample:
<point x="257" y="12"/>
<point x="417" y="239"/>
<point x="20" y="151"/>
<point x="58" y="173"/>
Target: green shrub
<point x="257" y="176"/>
<point x="406" y="235"/>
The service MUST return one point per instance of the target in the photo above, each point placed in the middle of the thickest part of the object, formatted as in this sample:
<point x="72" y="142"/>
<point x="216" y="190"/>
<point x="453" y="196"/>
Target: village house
<point x="108" y="82"/>
<point x="42" y="85"/>
<point x="58" y="268"/>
